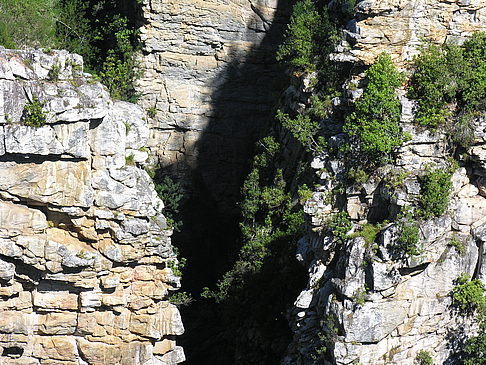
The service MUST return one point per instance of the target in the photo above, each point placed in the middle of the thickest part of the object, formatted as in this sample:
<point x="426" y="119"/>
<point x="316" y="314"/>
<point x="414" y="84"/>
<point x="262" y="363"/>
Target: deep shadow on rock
<point x="243" y="102"/>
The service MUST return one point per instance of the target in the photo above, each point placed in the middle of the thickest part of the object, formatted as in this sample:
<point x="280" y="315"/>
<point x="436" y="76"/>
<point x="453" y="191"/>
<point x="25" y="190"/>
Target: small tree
<point x="310" y="37"/>
<point x="436" y="186"/>
<point x="374" y="125"/>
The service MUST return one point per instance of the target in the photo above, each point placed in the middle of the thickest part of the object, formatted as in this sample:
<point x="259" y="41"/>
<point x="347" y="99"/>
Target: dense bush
<point x="374" y="125"/>
<point x="309" y="39"/>
<point x="304" y="128"/>
<point x="339" y="224"/>
<point x="269" y="216"/>
<point x="475" y="349"/>
<point x="99" y="30"/>
<point x="408" y="234"/>
<point x="424" y="358"/>
<point x="435" y="187"/>
<point x="449" y="84"/>
<point x="33" y="114"/>
<point x="170" y="192"/>
<point x="468" y="295"/>
<point x="27" y="23"/>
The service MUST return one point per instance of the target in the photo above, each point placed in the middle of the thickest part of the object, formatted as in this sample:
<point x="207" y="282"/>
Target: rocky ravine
<point x="84" y="246"/>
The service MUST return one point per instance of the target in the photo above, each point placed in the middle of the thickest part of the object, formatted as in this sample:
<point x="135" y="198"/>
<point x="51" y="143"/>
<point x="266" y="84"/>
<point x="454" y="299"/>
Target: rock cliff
<point x="85" y="251"/>
<point x="211" y="81"/>
<point x="362" y="303"/>
<point x="399" y="27"/>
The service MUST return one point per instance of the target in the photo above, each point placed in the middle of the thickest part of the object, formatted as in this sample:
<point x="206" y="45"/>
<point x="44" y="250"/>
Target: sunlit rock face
<point x="398" y="27"/>
<point x="363" y="304"/>
<point x="84" y="244"/>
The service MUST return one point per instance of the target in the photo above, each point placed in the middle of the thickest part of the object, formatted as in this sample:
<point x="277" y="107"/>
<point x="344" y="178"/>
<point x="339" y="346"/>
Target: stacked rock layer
<point x="85" y="251"/>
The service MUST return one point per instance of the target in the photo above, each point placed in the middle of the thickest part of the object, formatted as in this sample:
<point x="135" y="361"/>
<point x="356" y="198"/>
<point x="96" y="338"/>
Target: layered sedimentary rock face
<point x="210" y="81"/>
<point x="399" y="27"/>
<point x="84" y="246"/>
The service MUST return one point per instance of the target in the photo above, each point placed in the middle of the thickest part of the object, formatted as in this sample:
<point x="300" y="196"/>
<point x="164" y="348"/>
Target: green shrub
<point x="339" y="224"/>
<point x="130" y="160"/>
<point x="6" y="39"/>
<point x="408" y="236"/>
<point x="304" y="193"/>
<point x="33" y="115"/>
<point x="475" y="349"/>
<point x="304" y="129"/>
<point x="54" y="72"/>
<point x="424" y="358"/>
<point x="177" y="266"/>
<point x="152" y="112"/>
<point x="310" y="37"/>
<point x="458" y="244"/>
<point x="449" y="82"/>
<point x="27" y="23"/>
<point x="435" y="187"/>
<point x="468" y="294"/>
<point x="474" y="84"/>
<point x="357" y="175"/>
<point x="170" y="192"/>
<point x="433" y="84"/>
<point x="359" y="297"/>
<point x="181" y="299"/>
<point x="369" y="232"/>
<point x="270" y="216"/>
<point x="374" y="125"/>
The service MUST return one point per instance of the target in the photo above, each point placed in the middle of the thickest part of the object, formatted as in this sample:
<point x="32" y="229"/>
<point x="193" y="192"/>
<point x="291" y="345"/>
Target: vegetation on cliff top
<point x="449" y="83"/>
<point x="102" y="31"/>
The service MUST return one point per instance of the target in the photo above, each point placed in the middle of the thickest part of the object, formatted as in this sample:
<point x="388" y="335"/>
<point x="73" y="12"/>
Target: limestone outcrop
<point x="85" y="251"/>
<point x="399" y="27"/>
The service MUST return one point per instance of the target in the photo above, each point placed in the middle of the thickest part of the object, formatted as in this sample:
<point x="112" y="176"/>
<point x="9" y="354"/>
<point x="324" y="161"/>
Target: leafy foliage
<point x="339" y="224"/>
<point x="450" y="81"/>
<point x="170" y="192"/>
<point x="436" y="186"/>
<point x="310" y="37"/>
<point x="475" y="349"/>
<point x="458" y="244"/>
<point x="269" y="216"/>
<point x="304" y="129"/>
<point x="99" y="30"/>
<point x="369" y="232"/>
<point x="33" y="115"/>
<point x="27" y="23"/>
<point x="468" y="294"/>
<point x="181" y="298"/>
<point x="424" y="358"/>
<point x="374" y="125"/>
<point x="409" y="237"/>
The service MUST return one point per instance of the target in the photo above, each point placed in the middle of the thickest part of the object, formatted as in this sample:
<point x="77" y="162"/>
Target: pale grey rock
<point x="373" y="321"/>
<point x="174" y="357"/>
<point x="384" y="277"/>
<point x="74" y="139"/>
<point x="304" y="299"/>
<point x="2" y="140"/>
<point x="7" y="270"/>
<point x="30" y="140"/>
